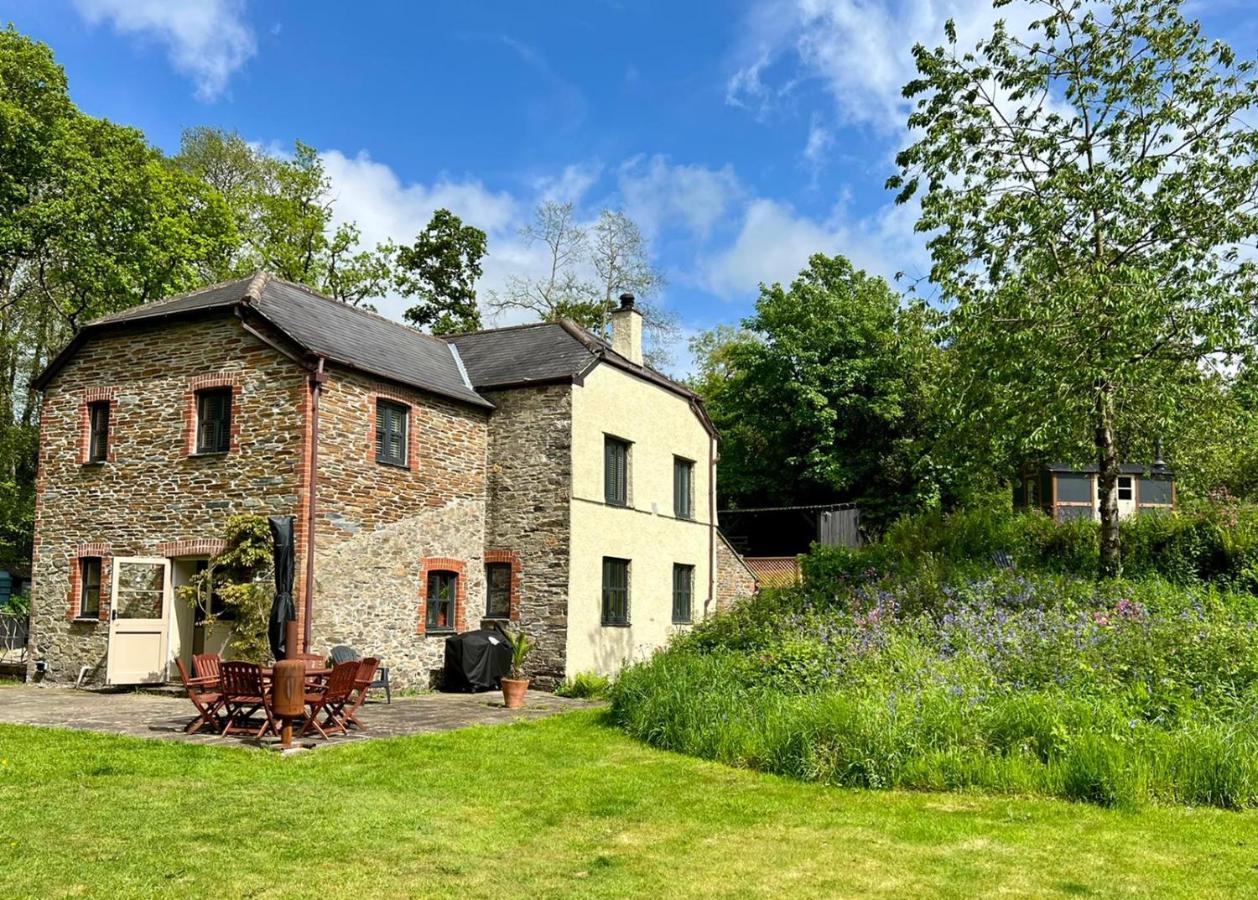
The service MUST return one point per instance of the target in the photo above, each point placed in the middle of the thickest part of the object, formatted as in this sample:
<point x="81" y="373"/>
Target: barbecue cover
<point x="476" y="660"/>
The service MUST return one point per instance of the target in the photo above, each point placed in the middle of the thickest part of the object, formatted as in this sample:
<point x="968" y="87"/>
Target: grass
<point x="566" y="806"/>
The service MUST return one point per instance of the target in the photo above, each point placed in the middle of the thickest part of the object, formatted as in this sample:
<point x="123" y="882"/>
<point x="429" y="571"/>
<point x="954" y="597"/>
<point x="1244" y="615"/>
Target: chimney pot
<point x="626" y="300"/>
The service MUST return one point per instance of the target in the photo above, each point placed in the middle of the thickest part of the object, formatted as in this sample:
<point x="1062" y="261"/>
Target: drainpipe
<point x="707" y="607"/>
<point x="317" y="378"/>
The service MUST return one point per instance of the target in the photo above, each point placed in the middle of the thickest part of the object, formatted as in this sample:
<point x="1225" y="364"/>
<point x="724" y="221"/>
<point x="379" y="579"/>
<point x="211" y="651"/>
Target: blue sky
<point x="742" y="136"/>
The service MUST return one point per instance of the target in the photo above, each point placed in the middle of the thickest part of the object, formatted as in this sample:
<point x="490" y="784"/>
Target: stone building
<point x="533" y="475"/>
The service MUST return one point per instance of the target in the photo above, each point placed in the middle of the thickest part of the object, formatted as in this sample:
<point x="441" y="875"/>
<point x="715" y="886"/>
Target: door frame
<point x="163" y="622"/>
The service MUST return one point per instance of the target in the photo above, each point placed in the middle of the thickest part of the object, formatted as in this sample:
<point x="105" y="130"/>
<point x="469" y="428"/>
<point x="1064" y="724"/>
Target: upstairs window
<point x="498" y="591"/>
<point x="89" y="587"/>
<point x="392" y="426"/>
<point x="683" y="593"/>
<point x="98" y="431"/>
<point x="615" y="471"/>
<point x="683" y="488"/>
<point x="615" y="591"/>
<point x="442" y="590"/>
<point x="214" y="420"/>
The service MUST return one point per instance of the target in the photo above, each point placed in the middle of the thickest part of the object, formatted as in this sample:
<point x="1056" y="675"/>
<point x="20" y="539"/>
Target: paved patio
<point x="163" y="716"/>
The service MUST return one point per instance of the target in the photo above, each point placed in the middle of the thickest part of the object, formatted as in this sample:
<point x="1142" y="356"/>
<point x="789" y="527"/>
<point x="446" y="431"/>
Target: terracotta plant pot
<point x="513" y="692"/>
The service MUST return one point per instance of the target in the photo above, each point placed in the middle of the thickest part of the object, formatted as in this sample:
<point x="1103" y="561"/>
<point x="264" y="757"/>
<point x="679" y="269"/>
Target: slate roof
<point x="547" y="351"/>
<point x="322" y="326"/>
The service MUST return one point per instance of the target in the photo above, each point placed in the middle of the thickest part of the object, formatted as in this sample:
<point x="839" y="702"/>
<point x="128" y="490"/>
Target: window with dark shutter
<point x="89" y="587"/>
<point x="442" y="590"/>
<point x="98" y="437"/>
<point x="615" y="591"/>
<point x="683" y="593"/>
<point x="392" y="423"/>
<point x="214" y="420"/>
<point x="498" y="591"/>
<point x="683" y="488"/>
<point x="615" y="471"/>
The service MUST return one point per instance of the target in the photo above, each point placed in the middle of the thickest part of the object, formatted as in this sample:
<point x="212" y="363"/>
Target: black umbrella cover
<point x="282" y="610"/>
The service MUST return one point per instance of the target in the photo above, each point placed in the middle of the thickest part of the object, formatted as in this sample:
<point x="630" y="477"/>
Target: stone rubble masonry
<point x="380" y="525"/>
<point x="150" y="494"/>
<point x="734" y="579"/>
<point x="530" y="490"/>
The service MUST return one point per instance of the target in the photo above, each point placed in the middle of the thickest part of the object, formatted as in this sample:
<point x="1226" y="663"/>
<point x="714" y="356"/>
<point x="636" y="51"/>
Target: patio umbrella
<point x="282" y="610"/>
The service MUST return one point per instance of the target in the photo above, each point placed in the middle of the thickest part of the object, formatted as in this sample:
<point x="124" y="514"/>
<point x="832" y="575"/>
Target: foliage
<point x="521" y="647"/>
<point x="826" y="395"/>
<point x="1087" y="185"/>
<point x="589" y="685"/>
<point x="603" y="817"/>
<point x="440" y="269"/>
<point x="240" y="578"/>
<point x="1117" y="694"/>
<point x="583" y="278"/>
<point x="18" y="605"/>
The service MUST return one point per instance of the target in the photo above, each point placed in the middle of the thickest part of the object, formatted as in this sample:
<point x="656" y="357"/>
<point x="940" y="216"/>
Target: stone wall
<point x="733" y="579"/>
<point x="530" y="487"/>
<point x="151" y="497"/>
<point x="380" y="527"/>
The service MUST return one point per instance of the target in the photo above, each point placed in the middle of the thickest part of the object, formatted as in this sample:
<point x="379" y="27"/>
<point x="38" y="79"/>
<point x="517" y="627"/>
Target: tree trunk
<point x="1107" y="482"/>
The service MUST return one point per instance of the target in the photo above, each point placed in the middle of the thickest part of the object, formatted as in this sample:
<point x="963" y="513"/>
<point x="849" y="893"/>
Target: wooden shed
<point x="1070" y="492"/>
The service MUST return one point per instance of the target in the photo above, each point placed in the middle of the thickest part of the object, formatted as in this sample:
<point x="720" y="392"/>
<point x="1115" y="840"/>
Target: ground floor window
<point x="89" y="587"/>
<point x="683" y="593"/>
<point x="615" y="591"/>
<point x="442" y="589"/>
<point x="498" y="590"/>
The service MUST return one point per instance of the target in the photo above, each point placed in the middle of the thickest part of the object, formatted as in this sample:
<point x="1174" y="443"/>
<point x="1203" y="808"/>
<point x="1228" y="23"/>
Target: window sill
<point x="87" y="620"/>
<point x="405" y="467"/>
<point x="683" y="621"/>
<point x="432" y="631"/>
<point x="93" y="463"/>
<point x="497" y="618"/>
<point x="616" y="625"/>
<point x="208" y="454"/>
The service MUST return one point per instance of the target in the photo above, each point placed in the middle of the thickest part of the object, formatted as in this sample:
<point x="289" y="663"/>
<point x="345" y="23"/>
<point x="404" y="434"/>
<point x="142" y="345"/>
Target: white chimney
<point x="627" y="330"/>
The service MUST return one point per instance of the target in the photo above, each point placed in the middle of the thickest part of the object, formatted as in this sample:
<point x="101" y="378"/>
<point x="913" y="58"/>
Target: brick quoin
<point x="509" y="556"/>
<point x="443" y="564"/>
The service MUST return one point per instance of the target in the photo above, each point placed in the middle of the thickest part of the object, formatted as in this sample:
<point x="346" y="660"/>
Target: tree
<point x="441" y="269"/>
<point x="1088" y="187"/>
<point x="824" y="395"/>
<point x="283" y="210"/>
<point x="561" y="291"/>
<point x="619" y="255"/>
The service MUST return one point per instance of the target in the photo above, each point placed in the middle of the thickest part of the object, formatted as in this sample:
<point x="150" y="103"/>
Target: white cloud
<point x="658" y="194"/>
<point x="860" y="50"/>
<point x="207" y="40"/>
<point x="820" y="140"/>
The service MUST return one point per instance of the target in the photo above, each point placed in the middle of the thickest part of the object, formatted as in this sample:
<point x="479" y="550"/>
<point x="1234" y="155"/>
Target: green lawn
<point x="562" y="807"/>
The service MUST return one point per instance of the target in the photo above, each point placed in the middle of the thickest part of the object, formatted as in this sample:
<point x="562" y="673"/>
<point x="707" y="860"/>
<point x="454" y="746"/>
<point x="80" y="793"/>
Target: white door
<point x="1126" y="496"/>
<point x="138" y="621"/>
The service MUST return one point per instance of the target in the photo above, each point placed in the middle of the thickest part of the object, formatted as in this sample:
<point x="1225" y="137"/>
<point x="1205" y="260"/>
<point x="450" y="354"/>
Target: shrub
<point x="584" y="685"/>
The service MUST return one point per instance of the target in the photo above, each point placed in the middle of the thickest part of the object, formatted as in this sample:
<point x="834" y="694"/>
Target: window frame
<point x="382" y="433"/>
<point x="86" y="564"/>
<point x="431" y="608"/>
<point x="682" y="464"/>
<point x="611" y="496"/>
<point x="1130" y="488"/>
<point x="608" y="617"/>
<point x="489" y="591"/>
<point x="98" y="432"/>
<point x="688" y="571"/>
<point x="201" y="397"/>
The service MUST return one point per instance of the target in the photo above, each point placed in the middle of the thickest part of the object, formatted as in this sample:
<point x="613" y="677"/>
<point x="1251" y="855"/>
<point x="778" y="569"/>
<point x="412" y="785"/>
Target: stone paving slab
<point x="149" y="715"/>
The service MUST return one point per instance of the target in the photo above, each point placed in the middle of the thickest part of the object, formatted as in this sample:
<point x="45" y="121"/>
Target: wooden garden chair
<point x="362" y="684"/>
<point x="329" y="701"/>
<point x="207" y="666"/>
<point x="206" y="695"/>
<point x="244" y="694"/>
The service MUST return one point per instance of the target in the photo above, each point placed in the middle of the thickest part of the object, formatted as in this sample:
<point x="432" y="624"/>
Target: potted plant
<point x="513" y="688"/>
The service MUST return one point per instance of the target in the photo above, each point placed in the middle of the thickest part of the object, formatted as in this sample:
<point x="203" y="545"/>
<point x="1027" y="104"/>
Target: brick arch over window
<point x="192" y="547"/>
<point x="443" y="564"/>
<point x="513" y="559"/>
